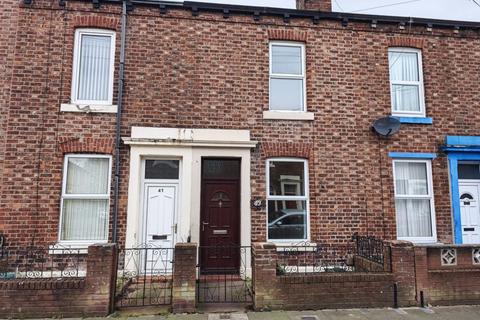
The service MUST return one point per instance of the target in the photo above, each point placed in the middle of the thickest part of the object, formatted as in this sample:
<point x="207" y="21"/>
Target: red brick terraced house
<point x="155" y="122"/>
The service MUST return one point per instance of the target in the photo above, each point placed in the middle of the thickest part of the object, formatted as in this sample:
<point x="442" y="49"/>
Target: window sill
<point x="415" y="120"/>
<point x="419" y="241"/>
<point x="288" y="115"/>
<point x="71" y="107"/>
<point x="294" y="246"/>
<point x="60" y="248"/>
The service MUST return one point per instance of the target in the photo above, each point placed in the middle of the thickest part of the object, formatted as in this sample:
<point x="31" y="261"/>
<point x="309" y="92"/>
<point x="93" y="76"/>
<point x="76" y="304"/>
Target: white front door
<point x="470" y="211"/>
<point x="160" y="211"/>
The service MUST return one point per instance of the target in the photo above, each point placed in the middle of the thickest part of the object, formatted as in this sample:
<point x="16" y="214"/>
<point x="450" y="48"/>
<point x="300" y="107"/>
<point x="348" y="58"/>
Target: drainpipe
<point x="121" y="80"/>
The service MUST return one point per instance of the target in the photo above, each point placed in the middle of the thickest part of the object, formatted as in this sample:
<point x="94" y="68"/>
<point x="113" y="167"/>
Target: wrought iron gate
<point x="144" y="277"/>
<point x="224" y="282"/>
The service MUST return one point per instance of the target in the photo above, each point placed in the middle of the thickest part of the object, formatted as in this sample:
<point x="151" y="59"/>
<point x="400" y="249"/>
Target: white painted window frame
<point x="76" y="65"/>
<point x="305" y="198"/>
<point x="419" y="83"/>
<point x="429" y="196"/>
<point x="287" y="76"/>
<point x="106" y="196"/>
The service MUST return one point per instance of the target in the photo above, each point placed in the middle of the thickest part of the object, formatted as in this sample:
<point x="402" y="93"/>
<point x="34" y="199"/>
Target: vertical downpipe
<point x="395" y="295"/>
<point x="121" y="79"/>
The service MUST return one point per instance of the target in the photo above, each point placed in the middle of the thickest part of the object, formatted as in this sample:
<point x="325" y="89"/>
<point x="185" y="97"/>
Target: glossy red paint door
<point x="220" y="222"/>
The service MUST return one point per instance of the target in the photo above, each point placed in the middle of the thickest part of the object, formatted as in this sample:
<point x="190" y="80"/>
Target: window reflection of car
<point x="289" y="225"/>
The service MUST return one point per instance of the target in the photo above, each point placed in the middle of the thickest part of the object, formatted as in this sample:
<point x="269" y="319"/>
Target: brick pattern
<point x="77" y="297"/>
<point x="403" y="268"/>
<point x="86" y="145"/>
<point x="407" y="42"/>
<point x="96" y="21"/>
<point x="184" y="278"/>
<point x="322" y="5"/>
<point x="447" y="285"/>
<point x="211" y="72"/>
<point x="286" y="149"/>
<point x="316" y="291"/>
<point x="287" y="34"/>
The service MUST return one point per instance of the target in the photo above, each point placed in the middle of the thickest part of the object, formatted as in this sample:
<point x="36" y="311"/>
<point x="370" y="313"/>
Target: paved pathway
<point x="438" y="313"/>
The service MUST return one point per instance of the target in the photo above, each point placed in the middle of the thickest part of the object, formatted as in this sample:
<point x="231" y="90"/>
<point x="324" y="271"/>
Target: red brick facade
<point x="207" y="71"/>
<point x="322" y="5"/>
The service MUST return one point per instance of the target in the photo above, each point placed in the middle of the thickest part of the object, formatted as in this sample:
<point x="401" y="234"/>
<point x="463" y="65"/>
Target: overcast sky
<point x="464" y="10"/>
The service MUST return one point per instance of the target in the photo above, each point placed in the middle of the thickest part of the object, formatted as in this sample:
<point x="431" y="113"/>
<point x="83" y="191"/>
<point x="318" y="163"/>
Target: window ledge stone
<point x="294" y="246"/>
<point x="61" y="248"/>
<point x="415" y="120"/>
<point x="288" y="115"/>
<point x="71" y="107"/>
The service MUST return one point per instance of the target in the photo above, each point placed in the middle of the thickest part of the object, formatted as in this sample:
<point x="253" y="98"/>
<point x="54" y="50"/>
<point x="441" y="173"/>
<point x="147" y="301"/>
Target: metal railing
<point x="144" y="276"/>
<point x="370" y="248"/>
<point x="307" y="258"/>
<point x="223" y="274"/>
<point x="42" y="263"/>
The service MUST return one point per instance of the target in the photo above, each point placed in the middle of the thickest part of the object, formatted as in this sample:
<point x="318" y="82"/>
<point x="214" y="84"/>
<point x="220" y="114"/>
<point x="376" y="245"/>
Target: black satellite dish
<point x="386" y="126"/>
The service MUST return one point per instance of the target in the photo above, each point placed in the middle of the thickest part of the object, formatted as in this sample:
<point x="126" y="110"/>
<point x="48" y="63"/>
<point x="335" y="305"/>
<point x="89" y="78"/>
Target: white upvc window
<point x="287" y="76"/>
<point x="414" y="200"/>
<point x="406" y="82"/>
<point x="93" y="67"/>
<point x="85" y="203"/>
<point x="287" y="200"/>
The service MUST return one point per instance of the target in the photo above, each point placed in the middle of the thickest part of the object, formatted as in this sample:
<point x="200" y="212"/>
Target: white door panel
<point x="160" y="225"/>
<point x="470" y="212"/>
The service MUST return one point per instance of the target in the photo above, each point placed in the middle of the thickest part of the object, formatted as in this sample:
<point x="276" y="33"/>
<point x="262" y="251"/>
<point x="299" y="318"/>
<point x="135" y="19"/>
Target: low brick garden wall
<point x="448" y="275"/>
<point x="61" y="296"/>
<point x="317" y="290"/>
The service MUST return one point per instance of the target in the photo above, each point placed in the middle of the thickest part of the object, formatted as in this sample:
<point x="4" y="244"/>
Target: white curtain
<point x="413" y="215"/>
<point x="404" y="68"/>
<point x="413" y="218"/>
<point x="87" y="175"/>
<point x="86" y="218"/>
<point x="411" y="178"/>
<point x="287" y="60"/>
<point x="94" y="68"/>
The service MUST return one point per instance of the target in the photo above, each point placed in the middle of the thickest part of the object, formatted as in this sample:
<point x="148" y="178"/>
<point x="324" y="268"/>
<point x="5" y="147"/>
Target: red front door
<point x="220" y="216"/>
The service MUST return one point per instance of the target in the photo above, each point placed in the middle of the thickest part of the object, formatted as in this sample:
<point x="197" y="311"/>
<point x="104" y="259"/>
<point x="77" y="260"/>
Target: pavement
<point x="440" y="313"/>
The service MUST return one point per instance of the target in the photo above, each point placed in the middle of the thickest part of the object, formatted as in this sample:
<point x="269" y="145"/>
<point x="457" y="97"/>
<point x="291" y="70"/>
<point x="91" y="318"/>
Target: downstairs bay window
<point x="85" y="204"/>
<point x="414" y="200"/>
<point x="287" y="200"/>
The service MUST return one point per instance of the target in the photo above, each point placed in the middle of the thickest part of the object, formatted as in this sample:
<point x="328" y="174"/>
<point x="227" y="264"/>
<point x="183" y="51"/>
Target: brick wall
<point x="184" y="278"/>
<point x="206" y="71"/>
<point x="315" y="291"/>
<point x="65" y="297"/>
<point x="447" y="285"/>
<point x="323" y="5"/>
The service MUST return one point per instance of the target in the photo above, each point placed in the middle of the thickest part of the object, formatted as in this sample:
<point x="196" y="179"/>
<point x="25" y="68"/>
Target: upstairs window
<point x="406" y="82"/>
<point x="85" y="199"/>
<point x="414" y="200"/>
<point x="287" y="76"/>
<point x="93" y="64"/>
<point x="287" y="187"/>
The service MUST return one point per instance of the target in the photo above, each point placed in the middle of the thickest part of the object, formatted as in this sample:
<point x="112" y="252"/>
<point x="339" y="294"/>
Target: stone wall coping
<point x="183" y="245"/>
<point x="446" y="245"/>
<point x="399" y="243"/>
